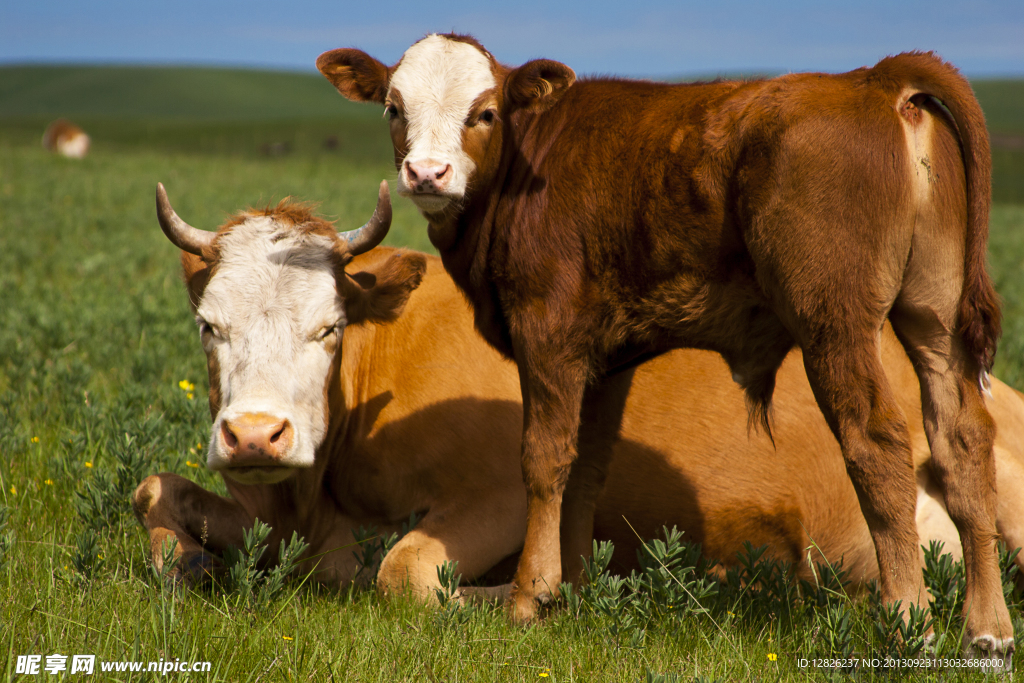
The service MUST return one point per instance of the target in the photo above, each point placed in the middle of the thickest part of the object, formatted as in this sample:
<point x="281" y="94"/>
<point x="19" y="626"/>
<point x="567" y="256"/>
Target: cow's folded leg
<point x="1009" y="502"/>
<point x="1006" y="406"/>
<point x="172" y="508"/>
<point x="477" y="533"/>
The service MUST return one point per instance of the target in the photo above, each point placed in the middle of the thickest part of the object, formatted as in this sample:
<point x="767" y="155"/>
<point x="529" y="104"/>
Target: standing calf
<point x="593" y="224"/>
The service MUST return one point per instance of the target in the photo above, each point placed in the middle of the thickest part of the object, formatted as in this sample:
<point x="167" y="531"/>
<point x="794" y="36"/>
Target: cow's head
<point x="272" y="299"/>
<point x="448" y="101"/>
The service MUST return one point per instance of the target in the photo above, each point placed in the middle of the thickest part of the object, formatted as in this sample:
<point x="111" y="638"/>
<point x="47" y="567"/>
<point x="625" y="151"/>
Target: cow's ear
<point x="196" y="274"/>
<point x="537" y="85"/>
<point x="380" y="293"/>
<point x="355" y="74"/>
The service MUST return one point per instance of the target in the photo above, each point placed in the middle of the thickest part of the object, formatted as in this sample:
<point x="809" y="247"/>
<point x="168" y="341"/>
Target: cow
<point x="66" y="139"/>
<point x="423" y="416"/>
<point x="596" y="223"/>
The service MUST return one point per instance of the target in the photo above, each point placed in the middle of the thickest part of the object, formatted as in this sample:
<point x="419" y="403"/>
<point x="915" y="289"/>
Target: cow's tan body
<point x="425" y="417"/>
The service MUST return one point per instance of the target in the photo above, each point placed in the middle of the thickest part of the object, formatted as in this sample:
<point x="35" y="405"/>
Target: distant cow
<point x="595" y="223"/>
<point x="66" y="139"/>
<point x="421" y="415"/>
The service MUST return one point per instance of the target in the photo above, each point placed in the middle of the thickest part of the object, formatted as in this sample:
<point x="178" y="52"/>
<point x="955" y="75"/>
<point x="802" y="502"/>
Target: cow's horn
<point x="183" y="235"/>
<point x="370" y="235"/>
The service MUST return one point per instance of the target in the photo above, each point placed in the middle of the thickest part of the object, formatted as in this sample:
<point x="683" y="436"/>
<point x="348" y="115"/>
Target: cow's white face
<point x="441" y="88"/>
<point x="270" y="319"/>
<point x="272" y="299"/>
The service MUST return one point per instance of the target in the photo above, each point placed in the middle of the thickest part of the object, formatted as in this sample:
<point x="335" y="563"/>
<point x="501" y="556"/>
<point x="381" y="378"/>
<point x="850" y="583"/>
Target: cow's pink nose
<point x="427" y="176"/>
<point x="256" y="439"/>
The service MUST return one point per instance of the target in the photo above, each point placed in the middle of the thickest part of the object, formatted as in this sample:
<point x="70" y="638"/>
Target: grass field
<point x="96" y="335"/>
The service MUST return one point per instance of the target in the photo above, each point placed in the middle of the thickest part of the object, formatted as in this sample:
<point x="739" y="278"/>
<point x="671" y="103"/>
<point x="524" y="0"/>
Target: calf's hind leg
<point x="849" y="383"/>
<point x="600" y="421"/>
<point x="961" y="435"/>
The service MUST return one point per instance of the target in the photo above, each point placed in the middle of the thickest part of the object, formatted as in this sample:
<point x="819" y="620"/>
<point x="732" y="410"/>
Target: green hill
<point x="251" y="112"/>
<point x="195" y="110"/>
<point x="192" y="93"/>
<point x="218" y="94"/>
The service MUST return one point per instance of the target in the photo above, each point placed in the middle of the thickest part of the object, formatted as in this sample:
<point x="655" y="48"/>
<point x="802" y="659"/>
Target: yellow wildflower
<point x="48" y="482"/>
<point x="35" y="439"/>
<point x="544" y="673"/>
<point x="88" y="464"/>
<point x="191" y="464"/>
<point x="14" y="491"/>
<point x="185" y="385"/>
<point x="287" y="637"/>
<point x="772" y="656"/>
<point x="189" y="396"/>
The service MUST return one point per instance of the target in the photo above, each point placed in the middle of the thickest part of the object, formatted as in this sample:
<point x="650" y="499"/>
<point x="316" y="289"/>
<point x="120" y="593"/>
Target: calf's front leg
<point x="552" y="386"/>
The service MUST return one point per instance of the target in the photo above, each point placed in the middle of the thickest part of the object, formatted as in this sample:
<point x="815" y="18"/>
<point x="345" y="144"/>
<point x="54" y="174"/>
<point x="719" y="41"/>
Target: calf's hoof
<point x="525" y="608"/>
<point x="996" y="654"/>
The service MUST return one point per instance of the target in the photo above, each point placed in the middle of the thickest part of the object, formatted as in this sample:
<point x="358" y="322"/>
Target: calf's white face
<point x="448" y="101"/>
<point x="439" y="89"/>
<point x="270" y="319"/>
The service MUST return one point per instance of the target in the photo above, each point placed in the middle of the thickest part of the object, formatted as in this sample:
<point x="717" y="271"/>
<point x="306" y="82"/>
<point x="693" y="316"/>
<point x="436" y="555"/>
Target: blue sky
<point x="597" y="37"/>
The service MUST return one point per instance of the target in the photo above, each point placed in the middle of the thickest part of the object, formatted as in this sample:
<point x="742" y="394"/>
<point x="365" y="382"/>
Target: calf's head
<point x="272" y="299"/>
<point x="448" y="103"/>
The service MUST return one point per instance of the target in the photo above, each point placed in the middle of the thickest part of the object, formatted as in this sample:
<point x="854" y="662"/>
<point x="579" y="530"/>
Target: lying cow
<point x="593" y="223"/>
<point x="414" y="412"/>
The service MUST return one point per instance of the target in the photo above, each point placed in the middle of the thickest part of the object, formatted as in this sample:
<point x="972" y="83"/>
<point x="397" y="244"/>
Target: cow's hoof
<point x="199" y="569"/>
<point x="995" y="654"/>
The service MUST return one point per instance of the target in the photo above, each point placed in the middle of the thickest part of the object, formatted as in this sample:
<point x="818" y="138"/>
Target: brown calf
<point x="595" y="223"/>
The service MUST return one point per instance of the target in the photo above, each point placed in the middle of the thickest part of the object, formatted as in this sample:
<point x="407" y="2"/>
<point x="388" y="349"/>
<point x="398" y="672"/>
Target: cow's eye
<point x="207" y="330"/>
<point x="487" y="116"/>
<point x="391" y="112"/>
<point x="326" y="333"/>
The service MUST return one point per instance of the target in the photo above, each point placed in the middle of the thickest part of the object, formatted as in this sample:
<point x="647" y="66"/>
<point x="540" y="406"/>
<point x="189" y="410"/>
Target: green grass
<point x="95" y="334"/>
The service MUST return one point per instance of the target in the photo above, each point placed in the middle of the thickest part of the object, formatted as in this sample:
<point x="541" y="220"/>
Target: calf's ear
<point x="355" y="74"/>
<point x="537" y="85"/>
<point x="380" y="294"/>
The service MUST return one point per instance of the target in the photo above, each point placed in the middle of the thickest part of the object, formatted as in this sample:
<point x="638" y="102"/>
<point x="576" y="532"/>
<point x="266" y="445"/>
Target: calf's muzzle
<point x="427" y="176"/>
